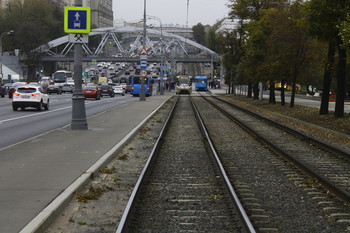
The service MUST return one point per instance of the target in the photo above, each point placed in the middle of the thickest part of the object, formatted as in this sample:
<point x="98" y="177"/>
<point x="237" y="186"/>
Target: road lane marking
<point x="39" y="113"/>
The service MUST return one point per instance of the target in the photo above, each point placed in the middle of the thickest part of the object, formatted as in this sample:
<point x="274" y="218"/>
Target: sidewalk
<point x="39" y="170"/>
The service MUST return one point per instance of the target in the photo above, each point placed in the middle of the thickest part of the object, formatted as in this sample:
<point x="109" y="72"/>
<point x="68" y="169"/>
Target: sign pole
<point x="78" y="100"/>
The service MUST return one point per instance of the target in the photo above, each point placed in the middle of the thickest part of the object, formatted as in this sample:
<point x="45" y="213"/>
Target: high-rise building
<point x="101" y="10"/>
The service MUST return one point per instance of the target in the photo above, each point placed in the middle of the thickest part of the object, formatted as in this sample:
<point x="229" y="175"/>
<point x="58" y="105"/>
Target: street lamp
<point x="142" y="90"/>
<point x="1" y="36"/>
<point x="161" y="53"/>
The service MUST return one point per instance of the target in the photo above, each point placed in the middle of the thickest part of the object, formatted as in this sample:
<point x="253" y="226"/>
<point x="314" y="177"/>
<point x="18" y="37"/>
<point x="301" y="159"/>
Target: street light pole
<point x="161" y="54"/>
<point x="142" y="91"/>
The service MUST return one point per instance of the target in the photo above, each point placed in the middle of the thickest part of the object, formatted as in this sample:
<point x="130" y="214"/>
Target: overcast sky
<point x="172" y="11"/>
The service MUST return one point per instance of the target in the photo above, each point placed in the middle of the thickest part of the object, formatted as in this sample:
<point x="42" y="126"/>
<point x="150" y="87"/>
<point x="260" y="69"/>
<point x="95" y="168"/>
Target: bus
<point x="136" y="86"/>
<point x="201" y="83"/>
<point x="61" y="76"/>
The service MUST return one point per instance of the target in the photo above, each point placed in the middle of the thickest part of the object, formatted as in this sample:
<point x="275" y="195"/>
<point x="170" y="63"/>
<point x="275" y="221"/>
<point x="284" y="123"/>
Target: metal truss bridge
<point x="123" y="44"/>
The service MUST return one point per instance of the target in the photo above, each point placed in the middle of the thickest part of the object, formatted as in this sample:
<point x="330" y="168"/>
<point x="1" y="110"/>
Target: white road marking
<point x="39" y="113"/>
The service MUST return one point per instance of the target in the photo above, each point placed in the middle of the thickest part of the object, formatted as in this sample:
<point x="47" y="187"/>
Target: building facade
<point x="101" y="10"/>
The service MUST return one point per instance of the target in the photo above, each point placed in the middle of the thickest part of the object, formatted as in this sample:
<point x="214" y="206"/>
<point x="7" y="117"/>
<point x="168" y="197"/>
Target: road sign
<point x="77" y="19"/>
<point x="143" y="52"/>
<point x="78" y="38"/>
<point x="143" y="73"/>
<point x="143" y="59"/>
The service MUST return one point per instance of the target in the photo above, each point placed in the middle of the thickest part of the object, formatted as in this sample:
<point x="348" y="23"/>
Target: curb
<point x="44" y="219"/>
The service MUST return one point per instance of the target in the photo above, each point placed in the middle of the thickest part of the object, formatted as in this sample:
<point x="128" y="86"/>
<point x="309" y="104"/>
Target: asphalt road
<point x="21" y="125"/>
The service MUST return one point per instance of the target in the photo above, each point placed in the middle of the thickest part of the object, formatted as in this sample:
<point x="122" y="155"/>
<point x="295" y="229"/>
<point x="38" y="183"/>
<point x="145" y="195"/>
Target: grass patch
<point x="115" y="179"/>
<point x="215" y="197"/>
<point x="91" y="194"/>
<point x="108" y="171"/>
<point x="309" y="181"/>
<point x="123" y="157"/>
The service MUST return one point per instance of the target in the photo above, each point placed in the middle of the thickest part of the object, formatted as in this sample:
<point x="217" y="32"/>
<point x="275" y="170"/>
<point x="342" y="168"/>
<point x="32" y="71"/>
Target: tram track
<point x="268" y="185"/>
<point x="180" y="187"/>
<point x="330" y="165"/>
<point x="275" y="195"/>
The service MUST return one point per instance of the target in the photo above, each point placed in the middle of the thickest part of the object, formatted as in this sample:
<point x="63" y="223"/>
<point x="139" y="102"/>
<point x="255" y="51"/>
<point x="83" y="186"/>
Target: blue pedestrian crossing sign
<point x="77" y="19"/>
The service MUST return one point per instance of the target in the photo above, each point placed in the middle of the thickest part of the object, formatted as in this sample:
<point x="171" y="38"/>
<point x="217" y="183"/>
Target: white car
<point x="119" y="90"/>
<point x="30" y="96"/>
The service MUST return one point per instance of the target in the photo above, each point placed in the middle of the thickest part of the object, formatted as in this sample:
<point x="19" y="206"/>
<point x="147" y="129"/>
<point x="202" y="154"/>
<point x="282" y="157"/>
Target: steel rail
<point x="245" y="221"/>
<point x="320" y="144"/>
<point x="122" y="226"/>
<point x="338" y="191"/>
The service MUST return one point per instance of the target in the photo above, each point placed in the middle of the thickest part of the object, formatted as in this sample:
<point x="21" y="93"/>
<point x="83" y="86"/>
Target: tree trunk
<point x="283" y="97"/>
<point x="292" y="98"/>
<point x="327" y="78"/>
<point x="249" y="94"/>
<point x="341" y="82"/>
<point x="272" y="97"/>
<point x="256" y="91"/>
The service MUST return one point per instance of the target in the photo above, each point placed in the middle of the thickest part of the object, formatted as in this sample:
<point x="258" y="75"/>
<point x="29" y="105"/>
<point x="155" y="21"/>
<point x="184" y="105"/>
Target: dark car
<point x="54" y="89"/>
<point x="13" y="87"/>
<point x="128" y="88"/>
<point x="107" y="89"/>
<point x="91" y="91"/>
<point x="2" y="91"/>
<point x="7" y="87"/>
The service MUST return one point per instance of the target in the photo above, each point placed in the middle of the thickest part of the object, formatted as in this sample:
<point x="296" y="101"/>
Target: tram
<point x="136" y="86"/>
<point x="201" y="83"/>
<point x="183" y="85"/>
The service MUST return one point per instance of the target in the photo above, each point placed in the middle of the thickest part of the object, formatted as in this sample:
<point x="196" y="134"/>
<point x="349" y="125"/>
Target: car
<point x="13" y="87"/>
<point x="2" y="91"/>
<point x="34" y="83"/>
<point x="128" y="88"/>
<point x="7" y="87"/>
<point x="54" y="89"/>
<point x="30" y="96"/>
<point x="106" y="89"/>
<point x="123" y="85"/>
<point x="119" y="90"/>
<point x="91" y="91"/>
<point x="67" y="88"/>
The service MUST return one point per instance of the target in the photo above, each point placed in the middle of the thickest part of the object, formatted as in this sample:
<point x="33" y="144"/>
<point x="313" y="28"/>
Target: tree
<point x="326" y="18"/>
<point x="257" y="32"/>
<point x="212" y="37"/>
<point x="199" y="33"/>
<point x="230" y="50"/>
<point x="290" y="48"/>
<point x="34" y="22"/>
